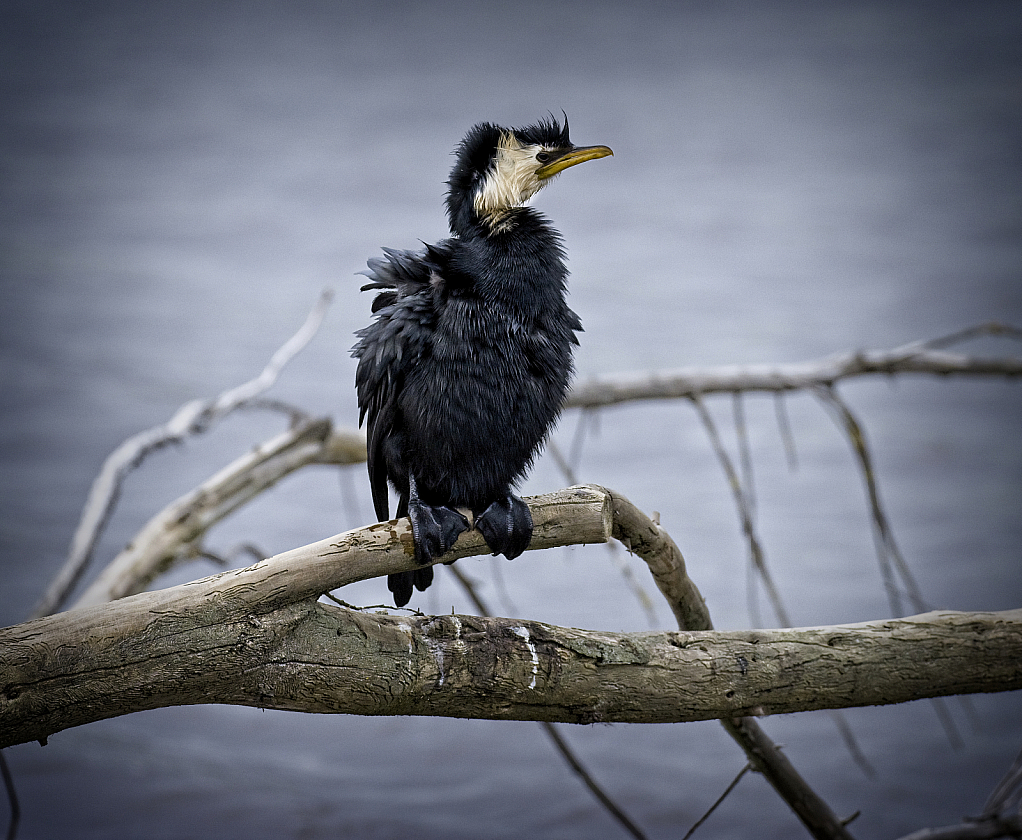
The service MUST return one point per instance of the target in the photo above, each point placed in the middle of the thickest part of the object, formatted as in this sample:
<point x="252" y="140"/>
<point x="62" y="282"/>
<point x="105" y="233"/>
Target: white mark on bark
<point x="523" y="633"/>
<point x="438" y="655"/>
<point x="407" y="630"/>
<point x="437" y="648"/>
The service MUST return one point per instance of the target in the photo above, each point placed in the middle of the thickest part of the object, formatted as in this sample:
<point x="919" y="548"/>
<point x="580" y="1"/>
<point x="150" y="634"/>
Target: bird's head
<point x="499" y="169"/>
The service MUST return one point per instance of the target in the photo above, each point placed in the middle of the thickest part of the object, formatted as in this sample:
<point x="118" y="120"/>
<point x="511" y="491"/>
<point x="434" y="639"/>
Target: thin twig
<point x="744" y="514"/>
<point x="12" y="798"/>
<point x="888" y="553"/>
<point x="745" y="460"/>
<point x="1007" y="796"/>
<point x="230" y="558"/>
<point x="720" y="799"/>
<point x="385" y="607"/>
<point x="851" y="744"/>
<point x="568" y="464"/>
<point x="744" y="451"/>
<point x="1001" y="817"/>
<point x="294" y="413"/>
<point x="993" y="328"/>
<point x="947" y="722"/>
<point x="350" y="498"/>
<point x="768" y="759"/>
<point x="562" y="462"/>
<point x="247" y="391"/>
<point x="784" y="426"/>
<point x="590" y="782"/>
<point x="586" y="418"/>
<point x="252" y="550"/>
<point x="559" y="743"/>
<point x="503" y="595"/>
<point x="633" y="583"/>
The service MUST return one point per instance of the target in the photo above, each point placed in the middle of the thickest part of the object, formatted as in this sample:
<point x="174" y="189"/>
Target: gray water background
<point x="181" y="180"/>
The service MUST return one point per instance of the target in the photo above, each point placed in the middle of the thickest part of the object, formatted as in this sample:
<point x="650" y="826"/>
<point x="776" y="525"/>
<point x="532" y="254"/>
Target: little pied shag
<point x="469" y="358"/>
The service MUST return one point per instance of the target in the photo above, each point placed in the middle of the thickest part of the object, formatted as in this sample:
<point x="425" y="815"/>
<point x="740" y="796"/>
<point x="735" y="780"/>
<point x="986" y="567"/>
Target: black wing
<point x="409" y="284"/>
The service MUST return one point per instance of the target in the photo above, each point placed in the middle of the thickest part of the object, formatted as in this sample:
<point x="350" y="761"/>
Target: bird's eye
<point x="543" y="157"/>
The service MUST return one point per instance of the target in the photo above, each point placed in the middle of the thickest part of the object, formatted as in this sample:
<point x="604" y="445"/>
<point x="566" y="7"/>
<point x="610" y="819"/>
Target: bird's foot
<point x="435" y="530"/>
<point x="506" y="525"/>
<point x="401" y="584"/>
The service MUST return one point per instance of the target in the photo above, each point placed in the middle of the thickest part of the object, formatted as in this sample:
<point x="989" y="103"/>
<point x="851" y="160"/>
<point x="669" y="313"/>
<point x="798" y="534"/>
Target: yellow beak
<point x="578" y="154"/>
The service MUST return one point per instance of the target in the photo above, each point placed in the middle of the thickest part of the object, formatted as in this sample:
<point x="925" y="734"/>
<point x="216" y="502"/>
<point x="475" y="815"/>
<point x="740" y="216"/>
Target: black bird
<point x="469" y="358"/>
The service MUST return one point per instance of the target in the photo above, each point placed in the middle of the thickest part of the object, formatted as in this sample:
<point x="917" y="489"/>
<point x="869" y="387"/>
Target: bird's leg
<point x="434" y="528"/>
<point x="506" y="525"/>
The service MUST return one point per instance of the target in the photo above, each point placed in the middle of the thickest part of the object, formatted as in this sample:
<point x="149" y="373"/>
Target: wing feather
<point x="405" y="315"/>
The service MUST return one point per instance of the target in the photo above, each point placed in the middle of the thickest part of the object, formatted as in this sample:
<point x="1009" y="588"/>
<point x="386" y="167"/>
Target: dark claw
<point x="435" y="530"/>
<point x="506" y="525"/>
<point x="423" y="578"/>
<point x="401" y="584"/>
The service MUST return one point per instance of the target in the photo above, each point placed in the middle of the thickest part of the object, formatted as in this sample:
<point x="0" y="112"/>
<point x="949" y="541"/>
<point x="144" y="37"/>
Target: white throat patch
<point x="510" y="182"/>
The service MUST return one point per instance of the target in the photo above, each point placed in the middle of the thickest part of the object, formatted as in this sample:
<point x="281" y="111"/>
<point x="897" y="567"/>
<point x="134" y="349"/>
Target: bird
<point x="464" y="368"/>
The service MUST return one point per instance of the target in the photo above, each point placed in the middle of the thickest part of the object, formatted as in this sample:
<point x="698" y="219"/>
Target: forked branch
<point x="192" y="418"/>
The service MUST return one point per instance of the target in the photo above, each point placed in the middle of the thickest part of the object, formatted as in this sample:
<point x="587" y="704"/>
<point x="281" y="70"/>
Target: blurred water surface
<point x="790" y="180"/>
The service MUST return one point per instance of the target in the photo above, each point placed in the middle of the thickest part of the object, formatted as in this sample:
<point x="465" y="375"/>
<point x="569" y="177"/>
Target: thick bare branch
<point x="80" y="666"/>
<point x="654" y="545"/>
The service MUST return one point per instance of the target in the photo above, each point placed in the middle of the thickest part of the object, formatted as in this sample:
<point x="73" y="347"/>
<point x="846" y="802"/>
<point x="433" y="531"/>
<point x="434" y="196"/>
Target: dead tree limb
<point x="192" y="418"/>
<point x="178" y="527"/>
<point x="258" y="636"/>
<point x="924" y="357"/>
<point x="95" y="663"/>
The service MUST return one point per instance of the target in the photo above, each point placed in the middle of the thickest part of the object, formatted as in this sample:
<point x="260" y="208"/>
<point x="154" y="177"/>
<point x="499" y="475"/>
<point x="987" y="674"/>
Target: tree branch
<point x="917" y="357"/>
<point x="192" y="418"/>
<point x="177" y="528"/>
<point x="257" y="636"/>
<point x="308" y="656"/>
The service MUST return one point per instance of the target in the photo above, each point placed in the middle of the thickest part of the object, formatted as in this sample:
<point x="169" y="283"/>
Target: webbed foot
<point x="506" y="525"/>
